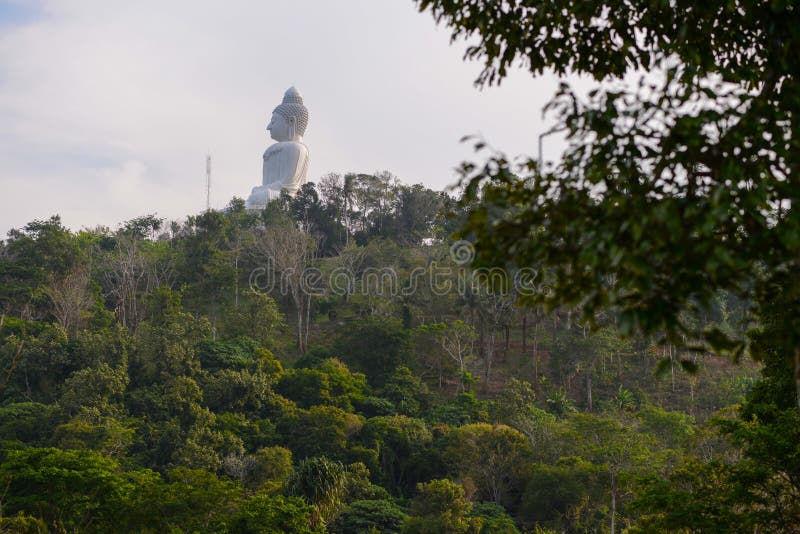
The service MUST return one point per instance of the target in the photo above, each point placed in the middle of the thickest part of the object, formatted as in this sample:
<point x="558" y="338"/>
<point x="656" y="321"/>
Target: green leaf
<point x="662" y="367"/>
<point x="689" y="366"/>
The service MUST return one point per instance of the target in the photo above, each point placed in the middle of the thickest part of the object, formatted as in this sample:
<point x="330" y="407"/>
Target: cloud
<point x="107" y="109"/>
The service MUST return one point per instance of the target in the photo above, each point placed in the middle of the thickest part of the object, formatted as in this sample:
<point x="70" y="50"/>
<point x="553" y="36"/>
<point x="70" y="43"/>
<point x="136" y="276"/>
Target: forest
<point x="601" y="340"/>
<point x="276" y="372"/>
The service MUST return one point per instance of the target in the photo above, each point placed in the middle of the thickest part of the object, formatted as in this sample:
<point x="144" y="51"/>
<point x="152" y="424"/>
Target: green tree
<point x="35" y="365"/>
<point x="441" y="507"/>
<point x="317" y="217"/>
<point x="271" y="464"/>
<point x="238" y="391"/>
<point x="265" y="514"/>
<point x="364" y="516"/>
<point x="616" y="448"/>
<point x="104" y="344"/>
<point x="99" y="387"/>
<point x="71" y="490"/>
<point x="29" y="422"/>
<point x="306" y="387"/>
<point x="406" y="391"/>
<point x="400" y="442"/>
<point x="166" y="344"/>
<point x="564" y="495"/>
<point x="255" y="315"/>
<point x="41" y="248"/>
<point x="176" y="428"/>
<point x="194" y="500"/>
<point x="237" y="353"/>
<point x="490" y="456"/>
<point x="208" y="262"/>
<point x="757" y="489"/>
<point x="494" y="518"/>
<point x="466" y="408"/>
<point x="89" y="429"/>
<point x="417" y="211"/>
<point x="673" y="188"/>
<point x="375" y="348"/>
<point x="322" y="483"/>
<point x="515" y="407"/>
<point x="23" y="524"/>
<point x="697" y="497"/>
<point x="320" y="430"/>
<point x="331" y="382"/>
<point x="672" y="429"/>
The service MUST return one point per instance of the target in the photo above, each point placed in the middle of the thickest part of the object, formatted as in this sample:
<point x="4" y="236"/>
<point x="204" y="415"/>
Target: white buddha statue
<point x="285" y="162"/>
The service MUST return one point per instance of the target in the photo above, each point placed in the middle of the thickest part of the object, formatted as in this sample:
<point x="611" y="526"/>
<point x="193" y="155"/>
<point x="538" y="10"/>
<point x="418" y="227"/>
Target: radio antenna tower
<point x="208" y="182"/>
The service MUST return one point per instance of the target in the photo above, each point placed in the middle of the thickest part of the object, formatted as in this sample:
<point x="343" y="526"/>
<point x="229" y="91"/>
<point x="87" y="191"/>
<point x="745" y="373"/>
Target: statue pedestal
<point x="260" y="197"/>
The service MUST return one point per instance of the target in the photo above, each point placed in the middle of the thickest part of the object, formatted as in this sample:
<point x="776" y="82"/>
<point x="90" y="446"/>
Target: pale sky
<point x="108" y="108"/>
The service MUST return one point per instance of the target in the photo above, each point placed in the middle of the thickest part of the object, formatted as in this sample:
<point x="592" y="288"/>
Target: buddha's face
<point x="279" y="128"/>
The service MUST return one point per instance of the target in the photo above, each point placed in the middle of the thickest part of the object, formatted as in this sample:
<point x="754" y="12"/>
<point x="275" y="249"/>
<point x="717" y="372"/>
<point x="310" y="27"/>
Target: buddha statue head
<point x="290" y="118"/>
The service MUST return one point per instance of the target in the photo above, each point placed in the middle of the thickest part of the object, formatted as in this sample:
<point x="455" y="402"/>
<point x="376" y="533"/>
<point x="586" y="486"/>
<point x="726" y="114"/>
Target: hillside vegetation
<point x="334" y="364"/>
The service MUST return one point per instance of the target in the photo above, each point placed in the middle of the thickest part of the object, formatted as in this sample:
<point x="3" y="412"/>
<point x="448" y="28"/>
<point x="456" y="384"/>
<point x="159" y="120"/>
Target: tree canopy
<point x="681" y="176"/>
<point x="177" y="377"/>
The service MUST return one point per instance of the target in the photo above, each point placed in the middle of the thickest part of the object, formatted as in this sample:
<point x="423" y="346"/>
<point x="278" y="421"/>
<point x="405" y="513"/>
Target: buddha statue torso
<point x="286" y="162"/>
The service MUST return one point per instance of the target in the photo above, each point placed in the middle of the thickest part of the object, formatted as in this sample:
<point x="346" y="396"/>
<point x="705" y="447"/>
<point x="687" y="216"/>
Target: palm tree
<point x="322" y="483"/>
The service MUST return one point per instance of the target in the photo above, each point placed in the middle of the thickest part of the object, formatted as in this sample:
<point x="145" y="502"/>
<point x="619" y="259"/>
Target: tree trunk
<point x="613" y="504"/>
<point x="213" y="319"/>
<point x="308" y="321"/>
<point x="300" y="327"/>
<point x="524" y="332"/>
<point x="555" y="328"/>
<point x="672" y="368"/>
<point x="236" y="281"/>
<point x="460" y="384"/>
<point x="481" y="338"/>
<point x="589" y="388"/>
<point x="536" y="356"/>
<point x="797" y="374"/>
<point x="489" y="356"/>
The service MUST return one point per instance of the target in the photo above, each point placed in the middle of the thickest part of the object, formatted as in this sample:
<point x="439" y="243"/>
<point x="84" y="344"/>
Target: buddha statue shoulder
<point x="286" y="162"/>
